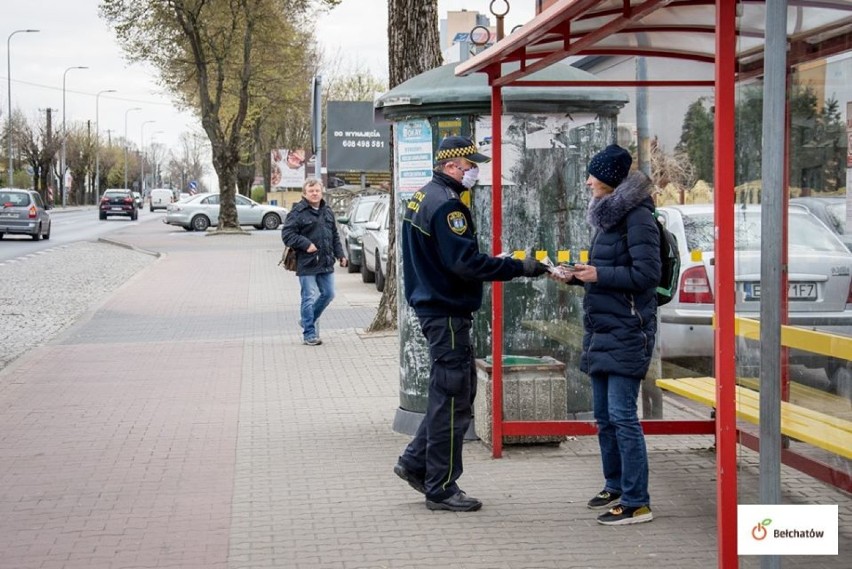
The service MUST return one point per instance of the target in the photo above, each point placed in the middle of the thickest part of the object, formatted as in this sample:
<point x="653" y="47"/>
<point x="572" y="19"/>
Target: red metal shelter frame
<point x="613" y="27"/>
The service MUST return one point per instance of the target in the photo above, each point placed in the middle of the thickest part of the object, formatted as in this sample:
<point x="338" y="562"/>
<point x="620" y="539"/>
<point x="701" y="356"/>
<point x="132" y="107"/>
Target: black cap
<point x="459" y="147"/>
<point x="611" y="165"/>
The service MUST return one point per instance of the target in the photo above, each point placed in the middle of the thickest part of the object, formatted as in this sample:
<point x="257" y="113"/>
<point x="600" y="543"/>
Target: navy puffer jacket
<point x="620" y="319"/>
<point x="305" y="225"/>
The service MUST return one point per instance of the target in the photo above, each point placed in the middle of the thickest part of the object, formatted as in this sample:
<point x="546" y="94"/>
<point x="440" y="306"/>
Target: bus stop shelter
<point x="741" y="39"/>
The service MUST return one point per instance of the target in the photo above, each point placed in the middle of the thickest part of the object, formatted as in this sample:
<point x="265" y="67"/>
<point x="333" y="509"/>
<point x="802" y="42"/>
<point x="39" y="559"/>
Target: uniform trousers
<point x="436" y="450"/>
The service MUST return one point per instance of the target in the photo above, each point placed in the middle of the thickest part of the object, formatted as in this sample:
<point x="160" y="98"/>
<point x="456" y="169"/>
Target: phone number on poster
<point x="363" y="143"/>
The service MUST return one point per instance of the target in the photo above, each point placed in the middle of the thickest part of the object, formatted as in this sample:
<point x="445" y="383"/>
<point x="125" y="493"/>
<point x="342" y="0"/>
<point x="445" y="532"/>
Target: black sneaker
<point x="413" y="480"/>
<point x="458" y="502"/>
<point x="312" y="342"/>
<point x="603" y="499"/>
<point x="624" y="515"/>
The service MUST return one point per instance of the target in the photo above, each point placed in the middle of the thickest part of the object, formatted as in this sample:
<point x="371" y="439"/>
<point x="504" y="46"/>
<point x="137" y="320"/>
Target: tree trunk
<point x="413" y="48"/>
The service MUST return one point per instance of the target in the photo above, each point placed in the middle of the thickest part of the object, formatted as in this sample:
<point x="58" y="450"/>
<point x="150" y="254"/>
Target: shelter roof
<point x="683" y="29"/>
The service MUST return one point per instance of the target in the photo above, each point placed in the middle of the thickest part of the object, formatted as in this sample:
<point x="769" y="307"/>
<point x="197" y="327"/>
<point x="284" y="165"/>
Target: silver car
<point x="198" y="212"/>
<point x="820" y="275"/>
<point x="374" y="243"/>
<point x="23" y="212"/>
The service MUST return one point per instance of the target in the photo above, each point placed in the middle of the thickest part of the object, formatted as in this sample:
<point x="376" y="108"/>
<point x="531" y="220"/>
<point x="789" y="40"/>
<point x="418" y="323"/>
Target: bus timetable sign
<point x="355" y="141"/>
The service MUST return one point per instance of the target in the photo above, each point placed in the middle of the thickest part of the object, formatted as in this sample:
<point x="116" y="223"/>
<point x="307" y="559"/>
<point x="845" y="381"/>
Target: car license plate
<point x="795" y="291"/>
<point x="8" y="215"/>
<point x="118" y="209"/>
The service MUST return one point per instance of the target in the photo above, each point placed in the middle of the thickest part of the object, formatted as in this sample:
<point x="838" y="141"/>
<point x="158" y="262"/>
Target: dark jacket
<point x="620" y="319"/>
<point x="305" y="225"/>
<point x="443" y="269"/>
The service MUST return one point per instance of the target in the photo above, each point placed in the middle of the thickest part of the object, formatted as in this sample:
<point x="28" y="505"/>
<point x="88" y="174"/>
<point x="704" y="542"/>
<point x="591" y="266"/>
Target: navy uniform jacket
<point x="442" y="266"/>
<point x="305" y="225"/>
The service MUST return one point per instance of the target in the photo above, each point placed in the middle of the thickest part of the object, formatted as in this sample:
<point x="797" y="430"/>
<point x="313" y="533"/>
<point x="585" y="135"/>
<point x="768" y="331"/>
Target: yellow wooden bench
<point x="833" y="434"/>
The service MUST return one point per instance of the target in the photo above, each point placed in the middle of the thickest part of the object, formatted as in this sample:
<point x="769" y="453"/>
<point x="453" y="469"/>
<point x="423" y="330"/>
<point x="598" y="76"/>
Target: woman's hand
<point x="311" y="248"/>
<point x="586" y="273"/>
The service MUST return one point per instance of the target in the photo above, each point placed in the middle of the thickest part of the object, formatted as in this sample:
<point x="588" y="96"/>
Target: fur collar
<point x="607" y="212"/>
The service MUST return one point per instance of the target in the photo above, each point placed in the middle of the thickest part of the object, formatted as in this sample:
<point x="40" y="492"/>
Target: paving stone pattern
<point x="194" y="430"/>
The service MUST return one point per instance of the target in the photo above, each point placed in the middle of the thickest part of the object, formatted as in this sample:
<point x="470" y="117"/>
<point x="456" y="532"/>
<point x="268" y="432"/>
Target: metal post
<point x="125" y="141"/>
<point x="97" y="191"/>
<point x="62" y="188"/>
<point x="142" y="156"/>
<point x="772" y="260"/>
<point x="9" y="100"/>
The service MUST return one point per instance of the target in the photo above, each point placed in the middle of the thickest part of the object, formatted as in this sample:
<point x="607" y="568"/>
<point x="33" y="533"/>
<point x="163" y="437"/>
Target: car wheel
<point x="152" y="209"/>
<point x="200" y="223"/>
<point x="37" y="234"/>
<point x="380" y="276"/>
<point x="102" y="215"/>
<point x="367" y="275"/>
<point x="1" y="235"/>
<point x="271" y="221"/>
<point x="134" y="216"/>
<point x="47" y="235"/>
<point x="842" y="380"/>
<point x="351" y="267"/>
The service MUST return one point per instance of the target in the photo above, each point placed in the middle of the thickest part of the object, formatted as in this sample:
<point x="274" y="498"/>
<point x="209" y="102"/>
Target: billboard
<point x="354" y="140"/>
<point x="288" y="168"/>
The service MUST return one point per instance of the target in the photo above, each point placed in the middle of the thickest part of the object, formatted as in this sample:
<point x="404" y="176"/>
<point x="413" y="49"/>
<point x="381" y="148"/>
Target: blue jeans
<point x="623" y="453"/>
<point x="317" y="293"/>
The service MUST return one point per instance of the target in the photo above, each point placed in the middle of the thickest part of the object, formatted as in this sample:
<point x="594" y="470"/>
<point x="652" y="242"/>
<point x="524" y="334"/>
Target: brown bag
<point x="288" y="259"/>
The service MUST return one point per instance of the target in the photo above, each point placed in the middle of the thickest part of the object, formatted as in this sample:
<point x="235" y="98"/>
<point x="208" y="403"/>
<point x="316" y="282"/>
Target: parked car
<point x="819" y="292"/>
<point x="118" y="202"/>
<point x="352" y="228"/>
<point x="375" y="244"/>
<point x="137" y="199"/>
<point x="200" y="211"/>
<point x="831" y="210"/>
<point x="23" y="212"/>
<point x="161" y="198"/>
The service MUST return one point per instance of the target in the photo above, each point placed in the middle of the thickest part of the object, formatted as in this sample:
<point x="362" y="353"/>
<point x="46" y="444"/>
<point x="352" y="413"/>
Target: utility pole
<point x="48" y="175"/>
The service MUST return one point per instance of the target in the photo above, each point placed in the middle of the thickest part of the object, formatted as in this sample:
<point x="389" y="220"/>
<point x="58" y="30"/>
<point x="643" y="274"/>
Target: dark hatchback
<point x="118" y="202"/>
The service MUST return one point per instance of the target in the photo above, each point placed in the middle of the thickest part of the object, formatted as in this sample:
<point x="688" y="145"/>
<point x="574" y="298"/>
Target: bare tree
<point x="413" y="48"/>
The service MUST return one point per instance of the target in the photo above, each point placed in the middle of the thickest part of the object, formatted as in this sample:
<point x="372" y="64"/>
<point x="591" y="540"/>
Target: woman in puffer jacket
<point x="620" y="324"/>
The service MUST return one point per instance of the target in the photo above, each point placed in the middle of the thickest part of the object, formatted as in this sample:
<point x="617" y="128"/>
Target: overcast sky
<point x="72" y="34"/>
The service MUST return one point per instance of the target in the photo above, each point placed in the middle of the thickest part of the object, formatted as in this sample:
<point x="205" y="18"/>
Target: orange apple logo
<point x="758" y="532"/>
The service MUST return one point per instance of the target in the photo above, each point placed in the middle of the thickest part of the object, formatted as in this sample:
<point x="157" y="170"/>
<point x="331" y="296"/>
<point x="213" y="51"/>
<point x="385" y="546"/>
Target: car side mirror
<point x="47" y="206"/>
<point x="343" y="220"/>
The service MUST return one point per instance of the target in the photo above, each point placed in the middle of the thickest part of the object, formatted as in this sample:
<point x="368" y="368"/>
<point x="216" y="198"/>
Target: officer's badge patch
<point x="458" y="222"/>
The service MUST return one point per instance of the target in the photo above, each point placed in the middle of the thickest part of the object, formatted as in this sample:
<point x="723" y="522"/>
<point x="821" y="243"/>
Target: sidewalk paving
<point x="190" y="428"/>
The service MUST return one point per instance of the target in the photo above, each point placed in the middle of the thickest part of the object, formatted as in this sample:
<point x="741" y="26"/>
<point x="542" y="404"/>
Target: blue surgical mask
<point x="470" y="177"/>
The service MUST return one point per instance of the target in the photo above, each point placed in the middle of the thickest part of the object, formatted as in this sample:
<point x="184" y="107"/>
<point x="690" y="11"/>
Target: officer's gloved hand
<point x="533" y="268"/>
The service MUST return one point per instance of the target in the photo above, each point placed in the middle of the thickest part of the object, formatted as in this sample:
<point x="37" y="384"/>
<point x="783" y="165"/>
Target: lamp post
<point x="62" y="187"/>
<point x="142" y="156"/>
<point x="98" y="145"/>
<point x="125" y="141"/>
<point x="9" y="94"/>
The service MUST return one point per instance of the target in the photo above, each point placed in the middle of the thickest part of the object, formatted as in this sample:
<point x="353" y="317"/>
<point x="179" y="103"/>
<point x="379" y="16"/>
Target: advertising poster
<point x="414" y="148"/>
<point x="288" y="168"/>
<point x="512" y="143"/>
<point x="356" y="142"/>
<point x="848" y="167"/>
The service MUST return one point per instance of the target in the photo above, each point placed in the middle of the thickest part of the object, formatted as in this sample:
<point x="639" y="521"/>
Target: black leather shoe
<point x="414" y="481"/>
<point x="458" y="502"/>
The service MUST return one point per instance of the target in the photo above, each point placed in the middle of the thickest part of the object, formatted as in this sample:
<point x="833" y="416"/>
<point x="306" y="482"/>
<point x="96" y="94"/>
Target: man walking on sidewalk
<point x="444" y="272"/>
<point x="311" y="230"/>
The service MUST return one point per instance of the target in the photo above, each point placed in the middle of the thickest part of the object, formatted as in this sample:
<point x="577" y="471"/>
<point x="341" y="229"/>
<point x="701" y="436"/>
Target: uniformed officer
<point x="443" y="272"/>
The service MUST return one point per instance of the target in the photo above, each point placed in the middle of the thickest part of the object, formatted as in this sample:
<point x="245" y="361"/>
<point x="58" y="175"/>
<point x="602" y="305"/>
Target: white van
<point x="160" y="199"/>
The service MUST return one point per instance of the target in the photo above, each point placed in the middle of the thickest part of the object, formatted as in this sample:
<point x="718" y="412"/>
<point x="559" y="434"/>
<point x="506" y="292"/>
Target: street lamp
<point x="125" y="141"/>
<point x="9" y="85"/>
<point x="64" y="136"/>
<point x="142" y="156"/>
<point x="98" y="145"/>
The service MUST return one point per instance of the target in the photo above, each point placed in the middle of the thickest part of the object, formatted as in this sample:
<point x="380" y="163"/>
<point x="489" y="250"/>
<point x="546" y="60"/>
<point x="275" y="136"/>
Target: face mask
<point x="470" y="177"/>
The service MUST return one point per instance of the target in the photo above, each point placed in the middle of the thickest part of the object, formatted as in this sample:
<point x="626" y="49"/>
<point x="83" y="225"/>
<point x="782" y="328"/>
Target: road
<point x="69" y="226"/>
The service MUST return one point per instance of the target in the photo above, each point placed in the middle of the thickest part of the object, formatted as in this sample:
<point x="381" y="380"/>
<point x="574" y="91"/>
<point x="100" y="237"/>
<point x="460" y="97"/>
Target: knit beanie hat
<point x="611" y="165"/>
